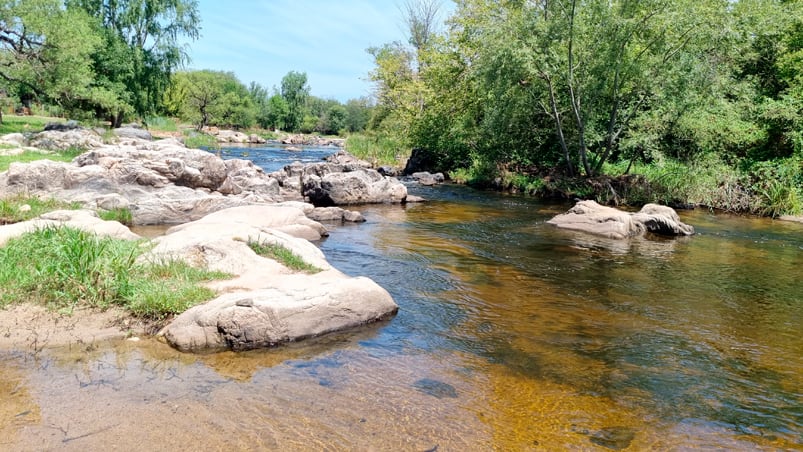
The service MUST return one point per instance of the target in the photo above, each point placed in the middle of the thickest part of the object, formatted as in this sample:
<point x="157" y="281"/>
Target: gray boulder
<point x="66" y="138"/>
<point x="342" y="157"/>
<point x="231" y="136"/>
<point x="335" y="214"/>
<point x="86" y="220"/>
<point x="302" y="306"/>
<point x="333" y="184"/>
<point x="590" y="217"/>
<point x="133" y="132"/>
<point x="365" y="186"/>
<point x="426" y="178"/>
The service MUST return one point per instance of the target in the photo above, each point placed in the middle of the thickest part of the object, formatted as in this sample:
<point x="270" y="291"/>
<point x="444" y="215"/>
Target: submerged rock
<point x="436" y="388"/>
<point x="590" y="217"/>
<point x="616" y="438"/>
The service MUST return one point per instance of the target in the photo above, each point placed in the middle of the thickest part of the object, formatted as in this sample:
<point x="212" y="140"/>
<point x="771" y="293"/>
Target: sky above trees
<point x="262" y="41"/>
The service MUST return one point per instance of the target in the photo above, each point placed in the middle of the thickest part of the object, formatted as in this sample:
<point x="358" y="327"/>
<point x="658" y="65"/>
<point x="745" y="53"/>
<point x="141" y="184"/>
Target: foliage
<point x="295" y="92"/>
<point x="197" y="140"/>
<point x="161" y="124"/>
<point x="212" y="98"/>
<point x="377" y="147"/>
<point x="707" y="85"/>
<point x="141" y="49"/>
<point x="283" y="255"/>
<point x="22" y="124"/>
<point x="45" y="51"/>
<point x="65" y="267"/>
<point x="121" y="215"/>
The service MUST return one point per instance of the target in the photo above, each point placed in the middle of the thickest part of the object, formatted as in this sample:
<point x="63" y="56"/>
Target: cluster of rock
<point x="592" y="218"/>
<point x="341" y="180"/>
<point x="313" y="140"/>
<point x="219" y="205"/>
<point x="164" y="182"/>
<point x="233" y="136"/>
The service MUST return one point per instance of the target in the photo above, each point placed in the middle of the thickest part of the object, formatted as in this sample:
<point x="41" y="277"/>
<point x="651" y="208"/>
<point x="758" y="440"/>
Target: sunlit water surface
<point x="511" y="335"/>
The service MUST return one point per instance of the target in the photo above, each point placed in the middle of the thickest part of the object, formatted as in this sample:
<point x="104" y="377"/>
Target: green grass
<point x="122" y="215"/>
<point x="194" y="139"/>
<point x="12" y="210"/>
<point x="282" y="255"/>
<point x="161" y="124"/>
<point x="15" y="124"/>
<point x="64" y="268"/>
<point x="377" y="148"/>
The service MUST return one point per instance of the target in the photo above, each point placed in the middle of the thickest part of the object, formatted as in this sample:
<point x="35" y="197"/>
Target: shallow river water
<point x="511" y="335"/>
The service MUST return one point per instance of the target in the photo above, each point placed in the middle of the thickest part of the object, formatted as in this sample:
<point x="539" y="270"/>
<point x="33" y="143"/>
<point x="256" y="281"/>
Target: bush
<point x="377" y="148"/>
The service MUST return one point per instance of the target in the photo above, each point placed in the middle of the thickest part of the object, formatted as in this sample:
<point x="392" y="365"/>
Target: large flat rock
<point x="265" y="304"/>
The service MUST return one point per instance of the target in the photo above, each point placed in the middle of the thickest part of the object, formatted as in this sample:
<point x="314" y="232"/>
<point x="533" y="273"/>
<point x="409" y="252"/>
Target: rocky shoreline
<point x="217" y="205"/>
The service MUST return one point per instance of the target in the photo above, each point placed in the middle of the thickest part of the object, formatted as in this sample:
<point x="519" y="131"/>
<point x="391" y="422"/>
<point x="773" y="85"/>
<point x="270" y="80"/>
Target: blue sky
<point x="262" y="40"/>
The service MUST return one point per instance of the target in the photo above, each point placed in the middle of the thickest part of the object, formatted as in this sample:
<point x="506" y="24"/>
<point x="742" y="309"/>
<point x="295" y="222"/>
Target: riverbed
<point x="511" y="335"/>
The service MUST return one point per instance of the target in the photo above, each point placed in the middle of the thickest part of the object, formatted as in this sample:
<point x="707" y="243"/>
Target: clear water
<point x="511" y="335"/>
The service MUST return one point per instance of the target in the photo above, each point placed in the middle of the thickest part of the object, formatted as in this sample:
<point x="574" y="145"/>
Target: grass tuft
<point x="64" y="267"/>
<point x="283" y="255"/>
<point x="23" y="208"/>
<point x="121" y="215"/>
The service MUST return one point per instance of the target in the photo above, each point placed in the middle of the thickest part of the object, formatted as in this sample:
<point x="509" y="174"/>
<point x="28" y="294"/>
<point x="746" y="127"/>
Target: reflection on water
<point x="511" y="335"/>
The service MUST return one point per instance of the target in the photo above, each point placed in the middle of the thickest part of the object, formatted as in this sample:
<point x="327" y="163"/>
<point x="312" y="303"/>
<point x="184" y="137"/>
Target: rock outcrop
<point x="161" y="182"/>
<point x="590" y="217"/>
<point x="266" y="304"/>
<point x="313" y="140"/>
<point x="339" y="184"/>
<point x="61" y="139"/>
<point x="427" y="178"/>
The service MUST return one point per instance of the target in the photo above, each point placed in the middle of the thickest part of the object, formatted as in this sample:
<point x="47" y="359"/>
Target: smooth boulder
<point x="592" y="218"/>
<point x="266" y="303"/>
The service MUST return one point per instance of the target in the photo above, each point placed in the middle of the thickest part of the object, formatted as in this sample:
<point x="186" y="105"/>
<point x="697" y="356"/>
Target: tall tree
<point x="295" y="92"/>
<point x="142" y="48"/>
<point x="421" y="19"/>
<point x="45" y="50"/>
<point x="214" y="98"/>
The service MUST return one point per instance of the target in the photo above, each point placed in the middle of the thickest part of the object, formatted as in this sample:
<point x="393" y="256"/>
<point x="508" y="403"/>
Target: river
<point x="511" y="335"/>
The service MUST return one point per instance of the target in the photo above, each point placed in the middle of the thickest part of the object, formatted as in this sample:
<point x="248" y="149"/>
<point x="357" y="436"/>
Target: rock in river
<point x="590" y="217"/>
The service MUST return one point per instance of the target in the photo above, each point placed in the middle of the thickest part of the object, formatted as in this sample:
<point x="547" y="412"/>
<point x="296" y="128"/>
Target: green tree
<point x="141" y="50"/>
<point x="45" y="51"/>
<point x="358" y="113"/>
<point x="295" y="92"/>
<point x="214" y="98"/>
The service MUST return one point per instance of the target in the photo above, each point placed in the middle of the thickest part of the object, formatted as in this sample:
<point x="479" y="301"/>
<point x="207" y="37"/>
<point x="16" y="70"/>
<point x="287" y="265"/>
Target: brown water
<point x="511" y="335"/>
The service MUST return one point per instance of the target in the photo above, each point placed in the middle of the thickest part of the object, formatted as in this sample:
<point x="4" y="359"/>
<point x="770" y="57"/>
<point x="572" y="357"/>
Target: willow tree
<point x="142" y="48"/>
<point x="45" y="51"/>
